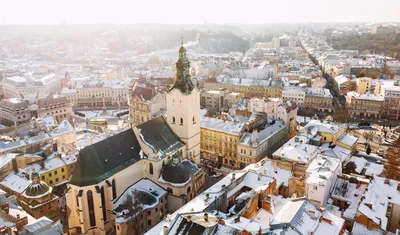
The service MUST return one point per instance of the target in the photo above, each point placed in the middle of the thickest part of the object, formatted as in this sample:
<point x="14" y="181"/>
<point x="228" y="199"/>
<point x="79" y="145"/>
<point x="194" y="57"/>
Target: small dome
<point x="34" y="190"/>
<point x="175" y="173"/>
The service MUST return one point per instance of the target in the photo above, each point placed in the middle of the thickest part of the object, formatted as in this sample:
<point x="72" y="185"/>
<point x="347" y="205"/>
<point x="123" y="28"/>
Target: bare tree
<point x="133" y="210"/>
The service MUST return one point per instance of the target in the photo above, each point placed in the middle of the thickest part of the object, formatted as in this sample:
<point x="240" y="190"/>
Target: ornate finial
<point x="182" y="41"/>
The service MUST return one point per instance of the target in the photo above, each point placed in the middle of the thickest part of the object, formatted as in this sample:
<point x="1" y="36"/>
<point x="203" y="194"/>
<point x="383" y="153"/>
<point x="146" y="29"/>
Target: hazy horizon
<point x="47" y="12"/>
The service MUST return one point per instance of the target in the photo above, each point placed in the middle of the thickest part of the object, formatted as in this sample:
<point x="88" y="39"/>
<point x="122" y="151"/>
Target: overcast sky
<point x="196" y="12"/>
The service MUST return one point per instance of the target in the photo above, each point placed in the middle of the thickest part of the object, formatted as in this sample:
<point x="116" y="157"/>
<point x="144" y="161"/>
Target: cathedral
<point x="157" y="156"/>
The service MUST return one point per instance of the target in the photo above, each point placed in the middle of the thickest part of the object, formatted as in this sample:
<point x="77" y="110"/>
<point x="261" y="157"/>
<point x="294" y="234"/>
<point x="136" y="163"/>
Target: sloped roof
<point x="158" y="135"/>
<point x="143" y="93"/>
<point x="103" y="159"/>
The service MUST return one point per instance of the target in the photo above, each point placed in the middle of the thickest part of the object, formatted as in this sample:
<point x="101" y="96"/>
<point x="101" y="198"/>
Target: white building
<point x="321" y="174"/>
<point x="295" y="94"/>
<point x="16" y="86"/>
<point x="99" y="93"/>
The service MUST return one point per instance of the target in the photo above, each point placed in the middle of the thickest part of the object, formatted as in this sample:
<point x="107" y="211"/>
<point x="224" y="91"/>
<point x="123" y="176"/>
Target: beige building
<point x="144" y="103"/>
<point x="363" y="85"/>
<point x="212" y="100"/>
<point x="391" y="93"/>
<point x="259" y="144"/>
<point x="14" y="111"/>
<point x="90" y="92"/>
<point x="17" y="86"/>
<point x="318" y="99"/>
<point x="366" y="105"/>
<point x="58" y="107"/>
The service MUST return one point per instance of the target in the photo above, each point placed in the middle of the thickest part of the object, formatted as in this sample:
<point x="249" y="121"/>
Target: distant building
<point x="363" y="85"/>
<point x="144" y="103"/>
<point x="17" y="86"/>
<point x="90" y="92"/>
<point x="384" y="29"/>
<point x="391" y="93"/>
<point x="319" y="99"/>
<point x="14" y="111"/>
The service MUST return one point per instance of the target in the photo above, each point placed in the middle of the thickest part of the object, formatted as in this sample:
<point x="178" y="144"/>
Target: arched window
<point x="173" y="119"/>
<point x="151" y="168"/>
<point x="103" y="204"/>
<point x="194" y="120"/>
<point x="92" y="217"/>
<point x="114" y="190"/>
<point x="181" y="121"/>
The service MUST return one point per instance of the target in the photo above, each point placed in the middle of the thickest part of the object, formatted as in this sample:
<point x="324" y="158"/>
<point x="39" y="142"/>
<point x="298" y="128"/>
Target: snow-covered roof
<point x="305" y="218"/>
<point x="233" y="128"/>
<point x="350" y="192"/>
<point x="371" y="168"/>
<point x="366" y="96"/>
<point x="296" y="151"/>
<point x="147" y="188"/>
<point x="360" y="229"/>
<point x="347" y="139"/>
<point x="325" y="127"/>
<point x="256" y="138"/>
<point x="65" y="127"/>
<point x="321" y="169"/>
<point x="15" y="183"/>
<point x="6" y="158"/>
<point x="267" y="168"/>
<point x="377" y="198"/>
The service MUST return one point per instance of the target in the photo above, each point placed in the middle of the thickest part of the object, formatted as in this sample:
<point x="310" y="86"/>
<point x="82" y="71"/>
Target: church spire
<point x="183" y="81"/>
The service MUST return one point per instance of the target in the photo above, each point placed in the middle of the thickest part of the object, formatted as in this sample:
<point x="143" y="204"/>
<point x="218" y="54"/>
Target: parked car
<point x="380" y="152"/>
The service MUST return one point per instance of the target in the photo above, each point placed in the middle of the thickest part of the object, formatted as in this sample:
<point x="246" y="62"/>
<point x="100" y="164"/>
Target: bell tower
<point x="183" y="107"/>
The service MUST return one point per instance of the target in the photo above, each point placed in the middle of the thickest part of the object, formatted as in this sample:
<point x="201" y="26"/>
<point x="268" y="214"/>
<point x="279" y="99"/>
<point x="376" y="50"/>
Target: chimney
<point x="398" y="187"/>
<point x="221" y="222"/>
<point x="387" y="181"/>
<point x="54" y="146"/>
<point x="233" y="177"/>
<point x="369" y="205"/>
<point x="205" y="217"/>
<point x="6" y="208"/>
<point x="237" y="219"/>
<point x="188" y="218"/>
<point x="165" y="228"/>
<point x="259" y="176"/>
<point x="15" y="165"/>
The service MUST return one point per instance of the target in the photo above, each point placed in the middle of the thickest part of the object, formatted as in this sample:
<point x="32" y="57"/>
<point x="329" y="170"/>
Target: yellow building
<point x="274" y="90"/>
<point x="363" y="85"/>
<point x="330" y="132"/>
<point x="55" y="170"/>
<point x="219" y="141"/>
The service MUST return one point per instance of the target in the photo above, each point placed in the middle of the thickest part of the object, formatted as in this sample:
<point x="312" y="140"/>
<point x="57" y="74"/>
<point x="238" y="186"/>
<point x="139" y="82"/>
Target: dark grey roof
<point x="103" y="159"/>
<point x="146" y="93"/>
<point x="189" y="228"/>
<point x="175" y="173"/>
<point x="159" y="135"/>
<point x="190" y="166"/>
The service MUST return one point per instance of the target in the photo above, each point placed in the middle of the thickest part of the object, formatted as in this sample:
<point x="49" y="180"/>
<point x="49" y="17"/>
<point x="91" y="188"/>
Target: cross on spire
<point x="181" y="41"/>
